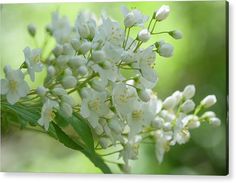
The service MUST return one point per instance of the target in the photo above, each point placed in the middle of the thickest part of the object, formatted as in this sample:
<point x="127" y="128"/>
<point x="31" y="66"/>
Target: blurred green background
<point x="199" y="58"/>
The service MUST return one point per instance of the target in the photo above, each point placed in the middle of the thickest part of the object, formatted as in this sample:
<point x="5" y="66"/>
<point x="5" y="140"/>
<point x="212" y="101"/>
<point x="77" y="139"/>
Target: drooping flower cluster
<point x="93" y="60"/>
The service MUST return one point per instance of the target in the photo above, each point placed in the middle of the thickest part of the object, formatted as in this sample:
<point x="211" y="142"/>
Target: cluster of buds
<point x="92" y="60"/>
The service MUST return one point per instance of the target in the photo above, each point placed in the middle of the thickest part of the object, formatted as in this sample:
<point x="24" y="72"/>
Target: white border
<point x="62" y="178"/>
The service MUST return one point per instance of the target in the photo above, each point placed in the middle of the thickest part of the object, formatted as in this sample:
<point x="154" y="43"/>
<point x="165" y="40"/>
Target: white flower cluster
<point x="93" y="60"/>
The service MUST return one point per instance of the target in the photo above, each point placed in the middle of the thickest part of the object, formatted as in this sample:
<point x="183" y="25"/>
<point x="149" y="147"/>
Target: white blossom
<point x="33" y="61"/>
<point x="13" y="86"/>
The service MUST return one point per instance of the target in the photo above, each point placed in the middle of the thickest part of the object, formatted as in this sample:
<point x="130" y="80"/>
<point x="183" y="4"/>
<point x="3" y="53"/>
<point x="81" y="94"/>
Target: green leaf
<point x="68" y="142"/>
<point x="80" y="125"/>
<point x="65" y="139"/>
<point x="26" y="115"/>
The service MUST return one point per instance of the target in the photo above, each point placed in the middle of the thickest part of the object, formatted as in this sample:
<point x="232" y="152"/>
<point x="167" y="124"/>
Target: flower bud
<point x="129" y="20"/>
<point x="191" y="121"/>
<point x="69" y="82"/>
<point x="67" y="49"/>
<point x="144" y="35"/>
<point x="7" y="69"/>
<point x="169" y="102"/>
<point x="57" y="50"/>
<point x="83" y="30"/>
<point x="164" y="49"/>
<point x="31" y="29"/>
<point x="98" y="56"/>
<point x="157" y="122"/>
<point x="167" y="126"/>
<point x="75" y="43"/>
<point x="144" y="95"/>
<point x="104" y="142"/>
<point x="178" y="96"/>
<point x="82" y="70"/>
<point x="59" y="91"/>
<point x="115" y="126"/>
<point x="67" y="99"/>
<point x="51" y="70"/>
<point x="215" y="121"/>
<point x="99" y="130"/>
<point x="209" y="114"/>
<point x="106" y="65"/>
<point x="97" y="84"/>
<point x="162" y="13"/>
<point x="176" y="34"/>
<point x="62" y="60"/>
<point x="85" y="47"/>
<point x="189" y="91"/>
<point x="208" y="101"/>
<point x="41" y="91"/>
<point x="76" y="61"/>
<point x="66" y="108"/>
<point x="188" y="106"/>
<point x="84" y="93"/>
<point x="68" y="72"/>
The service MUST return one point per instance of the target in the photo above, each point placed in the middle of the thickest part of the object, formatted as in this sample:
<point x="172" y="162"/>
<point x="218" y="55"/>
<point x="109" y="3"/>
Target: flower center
<point x="12" y="84"/>
<point x="137" y="114"/>
<point x="94" y="104"/>
<point x="50" y="114"/>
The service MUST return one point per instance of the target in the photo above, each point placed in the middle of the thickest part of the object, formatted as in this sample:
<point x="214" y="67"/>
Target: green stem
<point x="154" y="25"/>
<point x="163" y="32"/>
<point x="150" y="24"/>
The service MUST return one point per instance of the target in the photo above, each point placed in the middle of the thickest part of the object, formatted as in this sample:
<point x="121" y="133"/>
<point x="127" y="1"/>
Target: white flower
<point x="47" y="113"/>
<point x="146" y="59"/>
<point x="208" y="101"/>
<point x="161" y="145"/>
<point x="141" y="116"/>
<point x="176" y="34"/>
<point x="124" y="98"/>
<point x="60" y="28"/>
<point x="85" y="25"/>
<point x="144" y="35"/>
<point x="133" y="17"/>
<point x="188" y="106"/>
<point x="94" y="106"/>
<point x="14" y="86"/>
<point x="109" y="31"/>
<point x="189" y="91"/>
<point x="32" y="60"/>
<point x="164" y="49"/>
<point x="162" y="13"/>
